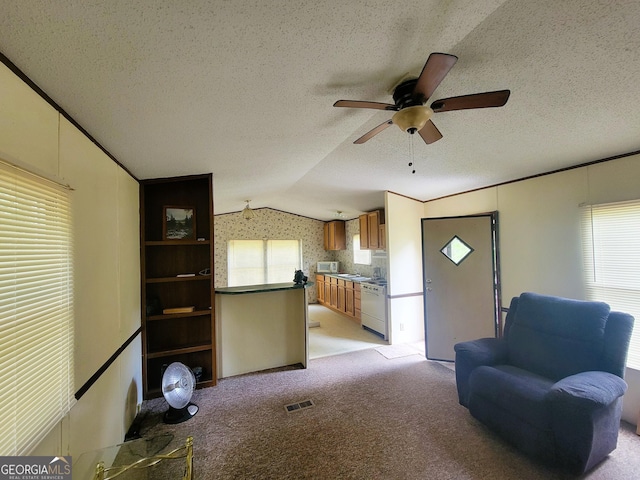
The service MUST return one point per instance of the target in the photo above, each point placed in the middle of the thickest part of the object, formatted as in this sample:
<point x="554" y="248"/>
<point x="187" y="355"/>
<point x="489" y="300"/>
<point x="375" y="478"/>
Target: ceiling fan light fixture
<point x="247" y="213"/>
<point x="412" y="119"/>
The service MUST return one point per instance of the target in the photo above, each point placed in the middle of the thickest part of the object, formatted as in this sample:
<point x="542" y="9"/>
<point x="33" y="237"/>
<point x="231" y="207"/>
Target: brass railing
<point x="186" y="452"/>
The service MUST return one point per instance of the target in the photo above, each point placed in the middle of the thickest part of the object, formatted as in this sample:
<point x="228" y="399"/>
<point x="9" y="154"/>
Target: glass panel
<point x="456" y="250"/>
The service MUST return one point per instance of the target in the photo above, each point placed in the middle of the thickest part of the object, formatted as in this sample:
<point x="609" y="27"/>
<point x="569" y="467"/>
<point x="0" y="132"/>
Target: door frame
<point x="497" y="296"/>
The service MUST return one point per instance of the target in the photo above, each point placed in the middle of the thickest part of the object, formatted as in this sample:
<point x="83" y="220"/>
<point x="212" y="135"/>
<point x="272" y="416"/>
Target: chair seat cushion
<point x="519" y="393"/>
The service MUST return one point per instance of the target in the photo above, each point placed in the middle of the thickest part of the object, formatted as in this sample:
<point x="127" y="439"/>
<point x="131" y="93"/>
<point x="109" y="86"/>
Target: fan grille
<point x="178" y="383"/>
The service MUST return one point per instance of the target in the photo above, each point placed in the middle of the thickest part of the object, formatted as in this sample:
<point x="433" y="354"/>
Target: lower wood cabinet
<point x="320" y="287"/>
<point x="333" y="298"/>
<point x="340" y="295"/>
<point x="350" y="308"/>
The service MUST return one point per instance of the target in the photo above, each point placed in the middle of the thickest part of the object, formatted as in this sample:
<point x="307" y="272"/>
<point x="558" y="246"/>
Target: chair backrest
<point x="556" y="337"/>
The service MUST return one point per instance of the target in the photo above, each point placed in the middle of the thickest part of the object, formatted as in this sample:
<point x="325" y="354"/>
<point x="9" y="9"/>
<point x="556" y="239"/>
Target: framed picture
<point x="179" y="223"/>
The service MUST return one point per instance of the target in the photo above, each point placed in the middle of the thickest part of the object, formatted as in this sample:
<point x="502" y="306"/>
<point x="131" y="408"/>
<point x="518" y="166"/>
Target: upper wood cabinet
<point x="372" y="230"/>
<point x="335" y="235"/>
<point x="364" y="232"/>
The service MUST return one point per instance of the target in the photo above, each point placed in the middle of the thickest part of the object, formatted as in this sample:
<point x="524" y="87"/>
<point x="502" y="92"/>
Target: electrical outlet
<point x="402" y="327"/>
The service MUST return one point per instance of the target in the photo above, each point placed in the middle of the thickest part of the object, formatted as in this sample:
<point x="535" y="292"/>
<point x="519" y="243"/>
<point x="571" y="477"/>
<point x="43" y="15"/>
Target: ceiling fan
<point x="410" y="98"/>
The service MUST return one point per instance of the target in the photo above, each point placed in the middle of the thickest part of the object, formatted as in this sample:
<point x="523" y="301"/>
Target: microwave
<point x="327" y="267"/>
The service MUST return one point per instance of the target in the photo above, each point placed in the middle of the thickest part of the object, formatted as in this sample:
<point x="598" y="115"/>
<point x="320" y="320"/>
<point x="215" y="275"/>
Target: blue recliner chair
<point x="553" y="384"/>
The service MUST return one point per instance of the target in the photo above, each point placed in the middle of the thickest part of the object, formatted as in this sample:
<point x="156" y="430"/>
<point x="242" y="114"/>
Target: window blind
<point x="611" y="238"/>
<point x="254" y="262"/>
<point x="36" y="311"/>
<point x="245" y="262"/>
<point x="283" y="259"/>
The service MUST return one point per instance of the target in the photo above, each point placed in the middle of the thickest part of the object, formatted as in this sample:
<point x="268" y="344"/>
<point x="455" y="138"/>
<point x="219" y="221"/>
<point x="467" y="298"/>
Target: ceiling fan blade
<point x="362" y="104"/>
<point x="476" y="100"/>
<point x="433" y="72"/>
<point x="430" y="132"/>
<point x="374" y="132"/>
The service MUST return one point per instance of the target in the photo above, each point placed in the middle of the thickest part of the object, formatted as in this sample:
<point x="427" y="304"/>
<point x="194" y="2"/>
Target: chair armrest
<point x="588" y="390"/>
<point x="484" y="351"/>
<point x="469" y="355"/>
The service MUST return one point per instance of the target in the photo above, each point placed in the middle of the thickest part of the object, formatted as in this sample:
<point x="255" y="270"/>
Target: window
<point x="611" y="238"/>
<point x="254" y="262"/>
<point x="361" y="257"/>
<point x="36" y="312"/>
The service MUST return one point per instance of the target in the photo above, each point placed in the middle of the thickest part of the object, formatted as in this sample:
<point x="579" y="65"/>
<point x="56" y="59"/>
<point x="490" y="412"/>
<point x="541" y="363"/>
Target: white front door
<point x="460" y="281"/>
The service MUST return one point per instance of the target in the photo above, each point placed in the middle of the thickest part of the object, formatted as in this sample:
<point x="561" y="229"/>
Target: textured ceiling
<point x="244" y="89"/>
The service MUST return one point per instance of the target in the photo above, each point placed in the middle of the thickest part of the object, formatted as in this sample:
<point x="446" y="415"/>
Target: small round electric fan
<point x="178" y="383"/>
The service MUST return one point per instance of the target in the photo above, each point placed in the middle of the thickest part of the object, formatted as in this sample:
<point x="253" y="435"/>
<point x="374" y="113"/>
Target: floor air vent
<point x="296" y="407"/>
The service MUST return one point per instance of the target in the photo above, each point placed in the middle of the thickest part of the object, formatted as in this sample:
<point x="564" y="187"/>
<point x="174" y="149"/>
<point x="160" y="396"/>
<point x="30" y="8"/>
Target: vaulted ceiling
<point x="244" y="89"/>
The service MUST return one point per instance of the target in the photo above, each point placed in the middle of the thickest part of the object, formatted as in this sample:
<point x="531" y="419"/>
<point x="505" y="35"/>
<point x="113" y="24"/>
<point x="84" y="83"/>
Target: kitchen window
<point x="256" y="262"/>
<point x="611" y="246"/>
<point x="361" y="257"/>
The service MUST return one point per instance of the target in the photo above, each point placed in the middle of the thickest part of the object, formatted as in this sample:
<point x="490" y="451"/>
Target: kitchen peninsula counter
<point x="267" y="287"/>
<point x="260" y="327"/>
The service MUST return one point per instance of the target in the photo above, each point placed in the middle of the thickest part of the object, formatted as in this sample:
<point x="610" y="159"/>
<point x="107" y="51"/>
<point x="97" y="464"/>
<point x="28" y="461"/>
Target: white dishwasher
<point x="373" y="308"/>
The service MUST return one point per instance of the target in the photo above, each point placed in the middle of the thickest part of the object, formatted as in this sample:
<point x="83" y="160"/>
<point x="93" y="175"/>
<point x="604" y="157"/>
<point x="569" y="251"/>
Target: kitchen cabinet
<point x="340" y="295"/>
<point x="349" y="304"/>
<point x="364" y="231"/>
<point x="372" y="230"/>
<point x="320" y="287"/>
<point x="333" y="297"/>
<point x="177" y="281"/>
<point x="327" y="292"/>
<point x="373" y="225"/>
<point x="335" y="235"/>
<point x="357" y="301"/>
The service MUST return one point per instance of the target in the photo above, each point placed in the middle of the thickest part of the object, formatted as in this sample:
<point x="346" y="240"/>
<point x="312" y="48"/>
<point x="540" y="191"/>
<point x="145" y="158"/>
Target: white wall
<point x="405" y="300"/>
<point x="35" y="136"/>
<point x="539" y="231"/>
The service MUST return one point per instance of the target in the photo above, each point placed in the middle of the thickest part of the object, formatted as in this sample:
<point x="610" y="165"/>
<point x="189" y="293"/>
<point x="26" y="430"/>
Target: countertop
<point x="355" y="278"/>
<point x="267" y="287"/>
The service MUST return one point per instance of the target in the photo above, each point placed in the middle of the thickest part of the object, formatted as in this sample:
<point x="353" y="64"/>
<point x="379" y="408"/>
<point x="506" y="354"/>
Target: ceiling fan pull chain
<point x="411" y="153"/>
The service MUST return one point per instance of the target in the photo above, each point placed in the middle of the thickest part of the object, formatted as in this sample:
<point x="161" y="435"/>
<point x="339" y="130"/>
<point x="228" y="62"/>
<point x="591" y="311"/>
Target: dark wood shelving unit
<point x="187" y="337"/>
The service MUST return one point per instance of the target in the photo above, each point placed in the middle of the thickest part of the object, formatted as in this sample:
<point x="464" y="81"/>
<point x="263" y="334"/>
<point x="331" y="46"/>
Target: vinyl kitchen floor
<point x="337" y="334"/>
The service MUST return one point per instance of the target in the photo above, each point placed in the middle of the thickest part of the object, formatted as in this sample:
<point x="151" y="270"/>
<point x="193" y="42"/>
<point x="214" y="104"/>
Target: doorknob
<point x="428" y="280"/>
